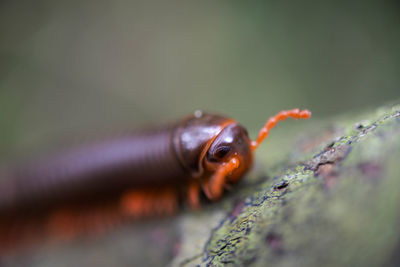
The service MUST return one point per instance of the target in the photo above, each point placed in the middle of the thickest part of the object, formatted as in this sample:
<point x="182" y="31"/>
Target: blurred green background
<point x="74" y="67"/>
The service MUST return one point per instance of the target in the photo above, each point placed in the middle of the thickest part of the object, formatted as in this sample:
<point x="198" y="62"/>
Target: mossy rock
<point x="334" y="201"/>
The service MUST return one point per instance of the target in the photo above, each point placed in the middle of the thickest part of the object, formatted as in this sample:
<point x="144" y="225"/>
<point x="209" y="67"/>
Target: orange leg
<point x="147" y="203"/>
<point x="205" y="185"/>
<point x="215" y="186"/>
<point x="63" y="224"/>
<point x="69" y="223"/>
<point x="193" y="195"/>
<point x="283" y="115"/>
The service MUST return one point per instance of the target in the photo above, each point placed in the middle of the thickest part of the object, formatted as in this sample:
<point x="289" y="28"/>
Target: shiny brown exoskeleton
<point x="142" y="174"/>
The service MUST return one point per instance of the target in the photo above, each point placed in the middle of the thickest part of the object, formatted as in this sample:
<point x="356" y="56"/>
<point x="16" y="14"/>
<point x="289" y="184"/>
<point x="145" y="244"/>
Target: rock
<point x="338" y="205"/>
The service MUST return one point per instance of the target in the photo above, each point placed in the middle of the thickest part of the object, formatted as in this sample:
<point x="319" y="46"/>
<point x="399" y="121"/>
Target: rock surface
<point x="335" y="202"/>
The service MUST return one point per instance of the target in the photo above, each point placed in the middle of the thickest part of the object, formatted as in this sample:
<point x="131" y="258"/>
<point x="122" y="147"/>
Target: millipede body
<point x="143" y="174"/>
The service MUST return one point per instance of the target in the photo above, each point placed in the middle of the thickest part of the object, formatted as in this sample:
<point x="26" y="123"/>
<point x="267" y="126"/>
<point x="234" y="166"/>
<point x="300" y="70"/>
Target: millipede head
<point x="231" y="152"/>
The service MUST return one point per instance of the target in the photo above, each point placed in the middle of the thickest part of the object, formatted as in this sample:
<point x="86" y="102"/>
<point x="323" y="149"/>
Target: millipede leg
<point x="147" y="203"/>
<point x="193" y="195"/>
<point x="215" y="186"/>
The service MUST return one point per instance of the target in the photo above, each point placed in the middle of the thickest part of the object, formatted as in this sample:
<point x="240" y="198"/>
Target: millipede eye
<point x="222" y="152"/>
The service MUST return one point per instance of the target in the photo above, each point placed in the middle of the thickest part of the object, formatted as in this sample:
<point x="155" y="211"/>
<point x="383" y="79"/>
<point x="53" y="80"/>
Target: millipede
<point x="95" y="186"/>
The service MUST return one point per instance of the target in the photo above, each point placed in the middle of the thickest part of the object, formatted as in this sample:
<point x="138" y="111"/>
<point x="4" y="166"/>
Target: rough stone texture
<point x="335" y="202"/>
<point x="330" y="199"/>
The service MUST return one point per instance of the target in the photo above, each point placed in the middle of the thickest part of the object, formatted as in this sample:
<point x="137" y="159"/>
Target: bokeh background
<point x="69" y="68"/>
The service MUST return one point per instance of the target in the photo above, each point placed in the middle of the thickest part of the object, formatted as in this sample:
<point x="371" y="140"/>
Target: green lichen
<point x="337" y="206"/>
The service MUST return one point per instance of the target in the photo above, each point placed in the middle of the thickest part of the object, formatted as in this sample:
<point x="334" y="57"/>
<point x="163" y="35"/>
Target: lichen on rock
<point x="336" y="206"/>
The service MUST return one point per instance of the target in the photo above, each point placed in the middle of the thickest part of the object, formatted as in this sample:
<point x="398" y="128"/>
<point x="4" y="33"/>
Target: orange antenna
<point x="283" y="115"/>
